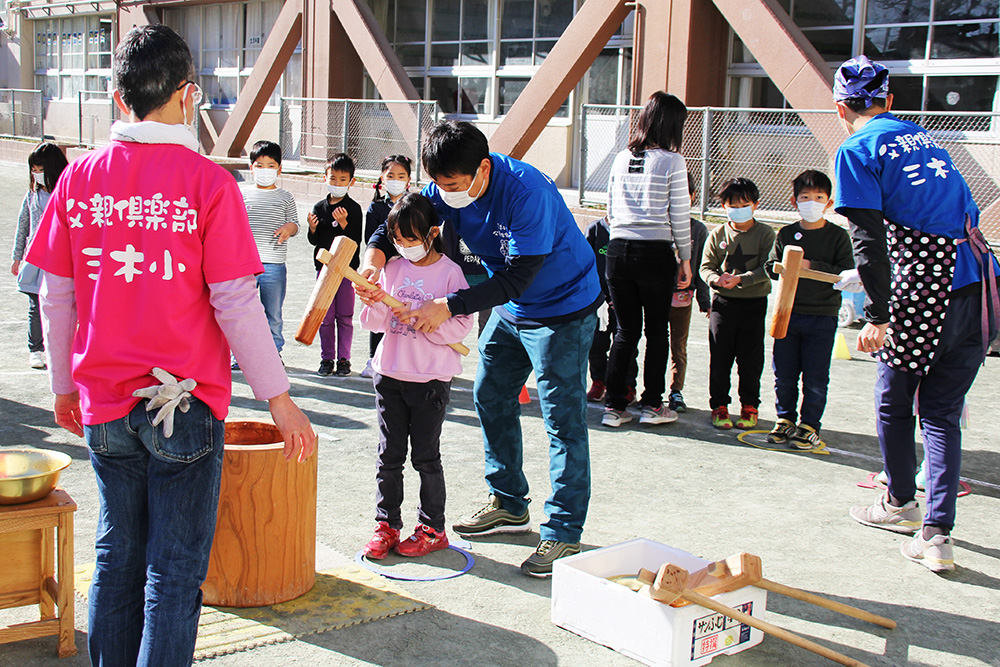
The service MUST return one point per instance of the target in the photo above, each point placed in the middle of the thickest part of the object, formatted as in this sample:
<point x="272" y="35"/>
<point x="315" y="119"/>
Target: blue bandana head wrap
<point x="861" y="79"/>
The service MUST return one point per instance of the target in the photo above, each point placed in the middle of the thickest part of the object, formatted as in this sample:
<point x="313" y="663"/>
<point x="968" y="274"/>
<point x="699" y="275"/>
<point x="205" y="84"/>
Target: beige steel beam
<point x="790" y="60"/>
<point x="562" y="69"/>
<point x="379" y="60"/>
<point x="271" y="63"/>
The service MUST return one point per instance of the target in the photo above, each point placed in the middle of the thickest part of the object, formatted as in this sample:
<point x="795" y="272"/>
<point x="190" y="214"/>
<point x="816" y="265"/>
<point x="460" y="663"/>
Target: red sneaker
<point x="630" y="395"/>
<point x="748" y="418"/>
<point x="423" y="541"/>
<point x="597" y="391"/>
<point x="385" y="538"/>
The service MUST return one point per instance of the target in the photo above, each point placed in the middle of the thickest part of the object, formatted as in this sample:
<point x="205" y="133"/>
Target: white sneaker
<point x="36" y="360"/>
<point x="368" y="372"/>
<point x="614" y="417"/>
<point x="906" y="519"/>
<point x="935" y="554"/>
<point x="660" y="415"/>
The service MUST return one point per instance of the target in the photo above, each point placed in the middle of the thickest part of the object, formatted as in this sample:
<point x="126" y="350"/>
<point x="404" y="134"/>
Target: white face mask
<point x="811" y="211"/>
<point x="739" y="214"/>
<point x="196" y="98"/>
<point x="462" y="198"/>
<point x="265" y="177"/>
<point x="394" y="188"/>
<point x="413" y="253"/>
<point x="337" y="191"/>
<point x="39" y="177"/>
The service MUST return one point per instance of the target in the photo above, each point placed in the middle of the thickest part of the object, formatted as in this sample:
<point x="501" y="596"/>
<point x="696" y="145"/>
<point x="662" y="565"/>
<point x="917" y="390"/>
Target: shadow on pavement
<point x="435" y="638"/>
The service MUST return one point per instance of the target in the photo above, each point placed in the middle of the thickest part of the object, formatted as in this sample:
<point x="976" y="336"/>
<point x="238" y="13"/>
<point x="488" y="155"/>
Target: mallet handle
<point x="393" y="302"/>
<point x="770" y="629"/>
<point x="821" y="276"/>
<point x="820" y="601"/>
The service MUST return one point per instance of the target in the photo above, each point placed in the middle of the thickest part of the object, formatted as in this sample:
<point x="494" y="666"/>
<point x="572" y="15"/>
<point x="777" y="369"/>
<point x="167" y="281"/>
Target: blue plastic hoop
<point x="360" y="559"/>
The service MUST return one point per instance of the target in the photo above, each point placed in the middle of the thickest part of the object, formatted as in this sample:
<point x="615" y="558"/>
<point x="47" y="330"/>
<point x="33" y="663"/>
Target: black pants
<point x="641" y="277"/>
<point x="599" y="353"/>
<point x="736" y="332"/>
<point x="373" y="340"/>
<point x="411" y="411"/>
<point x="35" y="341"/>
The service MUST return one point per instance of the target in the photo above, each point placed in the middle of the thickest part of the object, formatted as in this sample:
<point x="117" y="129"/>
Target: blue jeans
<point x="805" y="352"/>
<point x="159" y="498"/>
<point x="271" y="285"/>
<point x="558" y="355"/>
<point x="941" y="395"/>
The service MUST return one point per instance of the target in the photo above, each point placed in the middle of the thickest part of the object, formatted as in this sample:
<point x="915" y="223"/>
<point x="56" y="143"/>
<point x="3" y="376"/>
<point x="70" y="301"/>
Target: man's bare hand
<point x="15" y="267"/>
<point x="300" y="439"/>
<point x="428" y="317"/>
<point x="67" y="411"/>
<point x="872" y="337"/>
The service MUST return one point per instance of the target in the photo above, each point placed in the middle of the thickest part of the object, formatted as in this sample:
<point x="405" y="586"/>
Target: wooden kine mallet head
<point x="790" y="271"/>
<point x="337" y="266"/>
<point x="338" y="261"/>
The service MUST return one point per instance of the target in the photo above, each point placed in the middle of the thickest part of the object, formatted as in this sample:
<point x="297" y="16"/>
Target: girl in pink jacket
<point x="412" y="376"/>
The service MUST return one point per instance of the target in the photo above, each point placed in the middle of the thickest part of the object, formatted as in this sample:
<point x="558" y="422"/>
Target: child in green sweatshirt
<point x="733" y="266"/>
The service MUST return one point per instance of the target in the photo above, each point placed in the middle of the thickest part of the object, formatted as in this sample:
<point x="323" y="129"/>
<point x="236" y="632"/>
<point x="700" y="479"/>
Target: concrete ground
<point x="683" y="484"/>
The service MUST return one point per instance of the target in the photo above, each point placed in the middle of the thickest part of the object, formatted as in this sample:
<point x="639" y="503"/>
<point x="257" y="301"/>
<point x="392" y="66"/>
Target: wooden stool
<point x="30" y="550"/>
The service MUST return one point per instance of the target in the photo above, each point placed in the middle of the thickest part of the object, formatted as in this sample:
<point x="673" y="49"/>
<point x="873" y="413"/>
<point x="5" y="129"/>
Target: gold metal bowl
<point x="27" y="475"/>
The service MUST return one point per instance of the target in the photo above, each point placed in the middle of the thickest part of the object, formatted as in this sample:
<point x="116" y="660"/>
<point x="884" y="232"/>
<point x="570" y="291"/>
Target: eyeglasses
<point x="197" y="96"/>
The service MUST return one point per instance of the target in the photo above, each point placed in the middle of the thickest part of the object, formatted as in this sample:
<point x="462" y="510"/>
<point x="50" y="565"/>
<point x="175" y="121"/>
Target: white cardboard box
<point x="585" y="602"/>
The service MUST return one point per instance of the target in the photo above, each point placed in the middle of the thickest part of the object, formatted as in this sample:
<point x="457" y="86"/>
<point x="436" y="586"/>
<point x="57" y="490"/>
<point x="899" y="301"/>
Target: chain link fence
<point x="311" y="130"/>
<point x="21" y="114"/>
<point x="772" y="146"/>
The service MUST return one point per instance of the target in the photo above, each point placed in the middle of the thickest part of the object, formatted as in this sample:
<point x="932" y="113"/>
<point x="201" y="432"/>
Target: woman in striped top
<point x="649" y="212"/>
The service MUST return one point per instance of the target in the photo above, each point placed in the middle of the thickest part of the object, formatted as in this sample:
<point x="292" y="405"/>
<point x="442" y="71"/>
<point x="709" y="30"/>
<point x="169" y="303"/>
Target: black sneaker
<point x="343" y="368"/>
<point x="676" y="402"/>
<point x="491" y="519"/>
<point x="326" y="368"/>
<point x="805" y="438"/>
<point x="234" y="365"/>
<point x="539" y="564"/>
<point x="782" y="431"/>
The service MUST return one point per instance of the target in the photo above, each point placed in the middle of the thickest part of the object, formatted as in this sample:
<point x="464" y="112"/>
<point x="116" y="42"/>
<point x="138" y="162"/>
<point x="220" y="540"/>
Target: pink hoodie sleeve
<point x="240" y="315"/>
<point x="57" y="299"/>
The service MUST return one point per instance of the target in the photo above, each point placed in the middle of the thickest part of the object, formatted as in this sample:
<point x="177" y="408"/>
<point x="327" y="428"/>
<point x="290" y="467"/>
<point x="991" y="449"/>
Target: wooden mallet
<point x="790" y="270"/>
<point x="671" y="583"/>
<point x="337" y="266"/>
<point x="734" y="569"/>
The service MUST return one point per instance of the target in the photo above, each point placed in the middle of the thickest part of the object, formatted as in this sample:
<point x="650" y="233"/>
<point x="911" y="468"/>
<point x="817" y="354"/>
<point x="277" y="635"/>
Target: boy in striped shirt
<point x="273" y="220"/>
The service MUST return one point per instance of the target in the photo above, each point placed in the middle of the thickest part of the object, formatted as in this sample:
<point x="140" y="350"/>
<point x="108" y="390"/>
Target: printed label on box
<point x="718" y="632"/>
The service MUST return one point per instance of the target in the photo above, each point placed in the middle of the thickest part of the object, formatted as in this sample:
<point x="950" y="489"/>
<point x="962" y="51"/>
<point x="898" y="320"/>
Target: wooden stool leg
<point x="66" y="600"/>
<point x="46" y="602"/>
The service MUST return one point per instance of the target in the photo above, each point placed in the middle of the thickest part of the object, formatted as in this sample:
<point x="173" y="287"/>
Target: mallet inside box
<point x="585" y="602"/>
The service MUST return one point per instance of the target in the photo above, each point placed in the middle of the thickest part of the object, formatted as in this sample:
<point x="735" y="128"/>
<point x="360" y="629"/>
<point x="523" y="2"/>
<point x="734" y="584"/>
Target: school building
<point x="522" y="70"/>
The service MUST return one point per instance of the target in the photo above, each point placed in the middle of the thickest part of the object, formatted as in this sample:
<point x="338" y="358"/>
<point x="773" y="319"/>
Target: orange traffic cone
<point x="524" y="397"/>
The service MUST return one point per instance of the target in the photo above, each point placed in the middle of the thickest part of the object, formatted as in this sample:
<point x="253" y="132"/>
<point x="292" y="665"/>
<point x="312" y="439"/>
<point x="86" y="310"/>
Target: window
<point x="226" y="41"/>
<point x="72" y="55"/>
<point x="475" y="57"/>
<point x="936" y="50"/>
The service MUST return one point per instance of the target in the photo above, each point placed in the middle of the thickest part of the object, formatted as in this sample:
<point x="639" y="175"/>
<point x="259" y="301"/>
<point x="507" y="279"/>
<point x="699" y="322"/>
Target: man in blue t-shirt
<point x="544" y="292"/>
<point x="932" y="304"/>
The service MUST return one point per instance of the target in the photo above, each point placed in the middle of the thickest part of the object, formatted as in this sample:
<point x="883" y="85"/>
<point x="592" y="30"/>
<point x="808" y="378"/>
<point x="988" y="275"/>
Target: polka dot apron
<point x="922" y="267"/>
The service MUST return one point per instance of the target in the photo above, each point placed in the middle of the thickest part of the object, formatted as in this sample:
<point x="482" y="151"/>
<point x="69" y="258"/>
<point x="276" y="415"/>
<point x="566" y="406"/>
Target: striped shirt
<point x="648" y="199"/>
<point x="268" y="210"/>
